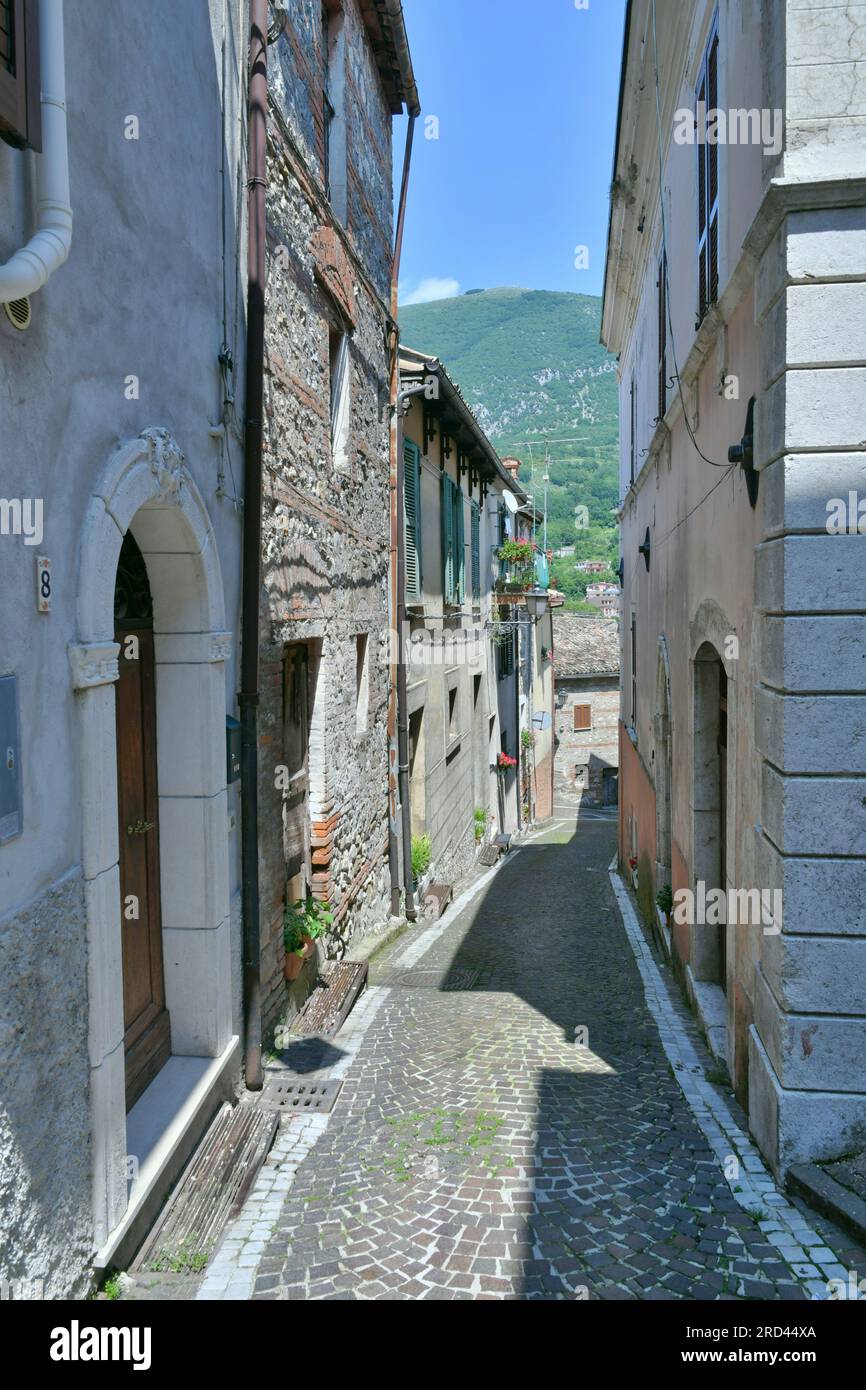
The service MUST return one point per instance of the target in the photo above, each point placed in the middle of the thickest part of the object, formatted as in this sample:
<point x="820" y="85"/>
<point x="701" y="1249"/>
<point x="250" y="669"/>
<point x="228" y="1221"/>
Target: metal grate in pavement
<point x="295" y="1096"/>
<point x="455" y="980"/>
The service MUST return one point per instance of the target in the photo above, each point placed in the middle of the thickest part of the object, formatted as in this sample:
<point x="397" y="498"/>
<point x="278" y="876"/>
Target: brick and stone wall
<point x="326" y="515"/>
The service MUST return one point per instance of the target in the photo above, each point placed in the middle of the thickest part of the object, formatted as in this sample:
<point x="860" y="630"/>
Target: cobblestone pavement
<point x="477" y="1150"/>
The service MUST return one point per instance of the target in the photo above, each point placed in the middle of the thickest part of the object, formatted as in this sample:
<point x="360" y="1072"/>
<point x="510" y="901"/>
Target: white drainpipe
<point x="48" y="248"/>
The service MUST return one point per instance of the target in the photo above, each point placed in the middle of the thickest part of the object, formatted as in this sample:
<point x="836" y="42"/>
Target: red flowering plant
<point x="504" y="763"/>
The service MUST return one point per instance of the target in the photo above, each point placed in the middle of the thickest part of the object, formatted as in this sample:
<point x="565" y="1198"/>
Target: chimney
<point x="513" y="466"/>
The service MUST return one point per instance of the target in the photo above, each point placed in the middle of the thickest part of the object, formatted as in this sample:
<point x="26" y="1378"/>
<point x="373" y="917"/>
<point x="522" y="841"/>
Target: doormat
<point x="287" y="1095"/>
<point x="211" y="1192"/>
<point x="329" y="1005"/>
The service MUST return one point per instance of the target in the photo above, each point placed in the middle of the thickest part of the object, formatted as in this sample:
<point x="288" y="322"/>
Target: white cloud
<point x="430" y="289"/>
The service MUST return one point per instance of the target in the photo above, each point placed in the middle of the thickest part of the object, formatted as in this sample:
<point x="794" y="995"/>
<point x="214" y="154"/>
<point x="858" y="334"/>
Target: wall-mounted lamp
<point x="744" y="454"/>
<point x="644" y="549"/>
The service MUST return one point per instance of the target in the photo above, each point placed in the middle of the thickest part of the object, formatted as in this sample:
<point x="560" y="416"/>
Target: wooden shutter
<point x="582" y="718"/>
<point x="412" y="512"/>
<point x="663" y="336"/>
<point x="447" y="540"/>
<point x="475" y="515"/>
<point x="459" y="547"/>
<point x="708" y="179"/>
<point x="632" y="427"/>
<point x="20" y="110"/>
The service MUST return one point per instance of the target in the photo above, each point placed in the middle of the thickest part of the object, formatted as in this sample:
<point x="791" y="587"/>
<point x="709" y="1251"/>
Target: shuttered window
<point x="460" y="554"/>
<point x="412" y="505"/>
<point x="453" y="542"/>
<point x="708" y="176"/>
<point x="475" y="513"/>
<point x="582" y="718"/>
<point x="20" y="111"/>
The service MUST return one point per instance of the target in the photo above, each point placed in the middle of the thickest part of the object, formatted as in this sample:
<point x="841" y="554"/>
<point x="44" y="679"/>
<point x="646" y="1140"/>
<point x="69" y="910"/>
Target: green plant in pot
<point x="481" y="817"/>
<point x="421" y="855"/>
<point x="303" y="924"/>
<point x="665" y="899"/>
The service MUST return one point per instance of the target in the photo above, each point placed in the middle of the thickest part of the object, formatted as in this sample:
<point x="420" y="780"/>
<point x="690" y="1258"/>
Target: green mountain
<point x="531" y="366"/>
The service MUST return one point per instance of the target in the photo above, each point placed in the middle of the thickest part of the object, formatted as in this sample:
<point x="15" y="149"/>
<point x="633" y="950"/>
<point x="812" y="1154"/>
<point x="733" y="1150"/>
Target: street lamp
<point x="536" y="603"/>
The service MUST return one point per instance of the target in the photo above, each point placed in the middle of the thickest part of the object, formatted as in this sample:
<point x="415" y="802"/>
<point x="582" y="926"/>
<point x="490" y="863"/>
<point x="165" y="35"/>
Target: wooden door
<point x="723" y="820"/>
<point x="147" y="1031"/>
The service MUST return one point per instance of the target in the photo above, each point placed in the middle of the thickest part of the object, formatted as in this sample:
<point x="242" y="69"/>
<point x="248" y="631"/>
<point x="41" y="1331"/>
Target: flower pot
<point x="294" y="963"/>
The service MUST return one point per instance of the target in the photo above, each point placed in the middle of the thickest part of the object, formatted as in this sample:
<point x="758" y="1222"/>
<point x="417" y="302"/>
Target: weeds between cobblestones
<point x="476" y="1151"/>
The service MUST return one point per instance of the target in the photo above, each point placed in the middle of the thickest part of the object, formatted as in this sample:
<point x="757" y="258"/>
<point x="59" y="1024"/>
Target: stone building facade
<point x="453" y="499"/>
<point x="323" y="793"/>
<point x="120" y="565"/>
<point x="737" y="320"/>
<point x="586" y="674"/>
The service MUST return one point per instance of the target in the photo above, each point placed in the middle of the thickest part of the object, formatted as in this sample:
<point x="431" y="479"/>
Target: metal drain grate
<point x="448" y="981"/>
<point x="293" y="1096"/>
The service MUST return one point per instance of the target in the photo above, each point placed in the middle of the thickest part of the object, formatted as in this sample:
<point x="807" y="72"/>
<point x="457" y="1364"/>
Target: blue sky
<point x="526" y="99"/>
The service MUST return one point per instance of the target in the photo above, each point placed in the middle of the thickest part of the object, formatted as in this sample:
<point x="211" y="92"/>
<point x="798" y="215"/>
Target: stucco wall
<point x="141" y="296"/>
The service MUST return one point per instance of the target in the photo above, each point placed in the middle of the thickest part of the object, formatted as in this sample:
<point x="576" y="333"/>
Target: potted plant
<point x="665" y="901"/>
<point x="481" y="819"/>
<point x="517" y="557"/>
<point x="504" y="764"/>
<point x="303" y="924"/>
<point x="422" y="854"/>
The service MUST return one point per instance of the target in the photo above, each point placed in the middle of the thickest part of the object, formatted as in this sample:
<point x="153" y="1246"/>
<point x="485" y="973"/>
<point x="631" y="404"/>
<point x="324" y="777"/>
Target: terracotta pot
<point x="294" y="963"/>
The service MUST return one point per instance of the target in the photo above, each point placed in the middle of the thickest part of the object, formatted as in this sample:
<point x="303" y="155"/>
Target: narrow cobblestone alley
<point x="478" y="1150"/>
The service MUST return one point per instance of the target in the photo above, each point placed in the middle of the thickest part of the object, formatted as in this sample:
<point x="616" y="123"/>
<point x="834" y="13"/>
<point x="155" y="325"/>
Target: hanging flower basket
<point x="504" y="764"/>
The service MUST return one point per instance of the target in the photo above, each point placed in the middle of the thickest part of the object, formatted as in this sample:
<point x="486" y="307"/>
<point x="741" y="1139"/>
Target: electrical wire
<point x="686" y="422"/>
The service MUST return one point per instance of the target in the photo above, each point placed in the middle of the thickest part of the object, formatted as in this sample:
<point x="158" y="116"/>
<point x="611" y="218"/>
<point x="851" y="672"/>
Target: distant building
<point x="586" y="701"/>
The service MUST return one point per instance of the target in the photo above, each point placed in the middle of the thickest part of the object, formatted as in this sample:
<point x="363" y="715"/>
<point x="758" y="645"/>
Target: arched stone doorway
<point x="709" y="811"/>
<point x="663" y="768"/>
<point x="147" y="490"/>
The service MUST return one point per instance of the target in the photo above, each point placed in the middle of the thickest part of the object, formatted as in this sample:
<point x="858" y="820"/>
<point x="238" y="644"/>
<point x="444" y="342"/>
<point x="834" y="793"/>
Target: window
<point x="20" y="109"/>
<point x="708" y="175"/>
<point x="338" y="353"/>
<point x="475" y="516"/>
<point x="453" y="543"/>
<point x="412" y="513"/>
<point x="453" y="710"/>
<point x="362" y="683"/>
<point x="582" y="718"/>
<point x="663" y="335"/>
<point x="505" y="650"/>
<point x="333" y="109"/>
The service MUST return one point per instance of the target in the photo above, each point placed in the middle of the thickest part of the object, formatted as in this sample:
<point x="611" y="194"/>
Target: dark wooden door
<point x="147" y="1031"/>
<point x="723" y="820"/>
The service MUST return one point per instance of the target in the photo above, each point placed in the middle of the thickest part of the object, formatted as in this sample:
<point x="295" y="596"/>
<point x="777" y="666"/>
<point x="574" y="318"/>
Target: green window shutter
<point x="412" y="510"/>
<point x="475" y="513"/>
<point x="460" y="547"/>
<point x="447" y="539"/>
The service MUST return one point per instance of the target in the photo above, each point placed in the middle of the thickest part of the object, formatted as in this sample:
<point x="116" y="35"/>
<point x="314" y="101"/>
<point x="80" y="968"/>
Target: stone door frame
<point x="146" y="487"/>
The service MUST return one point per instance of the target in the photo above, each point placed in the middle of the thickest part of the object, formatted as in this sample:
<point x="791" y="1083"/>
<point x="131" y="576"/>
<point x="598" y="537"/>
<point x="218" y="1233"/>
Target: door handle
<point x="141" y="827"/>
